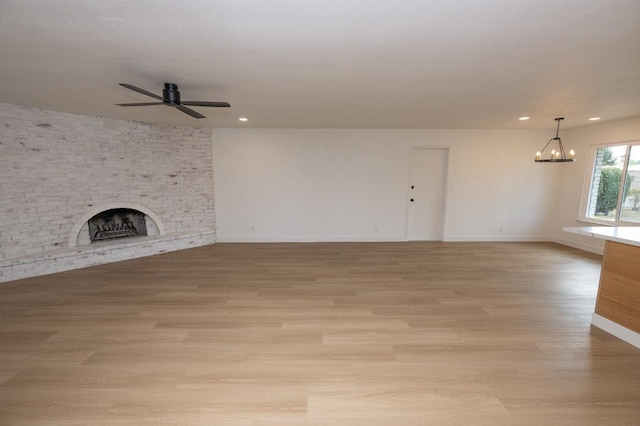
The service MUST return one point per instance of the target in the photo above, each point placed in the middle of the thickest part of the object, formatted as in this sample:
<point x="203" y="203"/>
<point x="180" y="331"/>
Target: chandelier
<point x="556" y="156"/>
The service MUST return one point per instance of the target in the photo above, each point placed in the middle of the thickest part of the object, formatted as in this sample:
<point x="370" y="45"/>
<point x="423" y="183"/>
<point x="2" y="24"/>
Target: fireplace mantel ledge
<point x="97" y="247"/>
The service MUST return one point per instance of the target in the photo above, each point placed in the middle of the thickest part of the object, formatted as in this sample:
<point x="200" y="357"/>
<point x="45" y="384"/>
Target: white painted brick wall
<point x="55" y="167"/>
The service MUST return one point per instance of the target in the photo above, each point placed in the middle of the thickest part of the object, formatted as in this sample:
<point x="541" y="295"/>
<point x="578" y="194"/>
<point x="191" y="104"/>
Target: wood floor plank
<point x="318" y="334"/>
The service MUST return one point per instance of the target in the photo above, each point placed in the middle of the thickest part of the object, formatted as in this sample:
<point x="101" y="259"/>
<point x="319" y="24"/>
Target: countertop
<point x="621" y="234"/>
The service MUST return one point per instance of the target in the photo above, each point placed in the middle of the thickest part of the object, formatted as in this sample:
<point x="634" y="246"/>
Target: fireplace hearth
<point x="117" y="223"/>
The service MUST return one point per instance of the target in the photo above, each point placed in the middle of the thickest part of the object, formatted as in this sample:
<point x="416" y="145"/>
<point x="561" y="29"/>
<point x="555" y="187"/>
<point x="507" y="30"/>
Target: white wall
<point x="352" y="185"/>
<point x="574" y="179"/>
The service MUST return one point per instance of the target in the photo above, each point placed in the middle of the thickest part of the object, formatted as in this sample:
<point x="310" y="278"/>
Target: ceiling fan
<point x="171" y="97"/>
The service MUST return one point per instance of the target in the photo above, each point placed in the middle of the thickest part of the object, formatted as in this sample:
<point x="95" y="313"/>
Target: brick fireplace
<point x="136" y="189"/>
<point x="117" y="223"/>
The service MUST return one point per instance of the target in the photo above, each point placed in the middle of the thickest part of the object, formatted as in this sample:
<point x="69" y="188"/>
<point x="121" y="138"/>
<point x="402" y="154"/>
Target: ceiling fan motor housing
<point x="171" y="94"/>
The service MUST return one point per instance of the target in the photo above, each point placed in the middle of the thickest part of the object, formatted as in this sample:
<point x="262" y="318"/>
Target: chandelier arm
<point x="545" y="147"/>
<point x="562" y="154"/>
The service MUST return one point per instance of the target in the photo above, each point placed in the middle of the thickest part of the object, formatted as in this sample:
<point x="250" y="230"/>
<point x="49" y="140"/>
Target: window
<point x="614" y="190"/>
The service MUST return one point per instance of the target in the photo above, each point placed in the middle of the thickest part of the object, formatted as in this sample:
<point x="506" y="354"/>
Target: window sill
<point x="596" y="221"/>
<point x="605" y="222"/>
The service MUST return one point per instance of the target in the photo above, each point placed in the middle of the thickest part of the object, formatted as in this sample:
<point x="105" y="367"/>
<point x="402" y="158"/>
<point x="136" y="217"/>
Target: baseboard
<point x="616" y="329"/>
<point x="314" y="239"/>
<point x="81" y="257"/>
<point x="381" y="238"/>
<point x="496" y="238"/>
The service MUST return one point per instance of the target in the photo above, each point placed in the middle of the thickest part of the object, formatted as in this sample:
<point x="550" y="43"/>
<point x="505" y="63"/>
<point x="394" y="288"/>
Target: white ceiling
<point x="331" y="63"/>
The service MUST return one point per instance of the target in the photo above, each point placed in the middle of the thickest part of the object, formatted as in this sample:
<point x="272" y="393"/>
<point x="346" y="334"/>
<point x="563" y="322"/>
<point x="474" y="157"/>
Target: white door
<point x="427" y="194"/>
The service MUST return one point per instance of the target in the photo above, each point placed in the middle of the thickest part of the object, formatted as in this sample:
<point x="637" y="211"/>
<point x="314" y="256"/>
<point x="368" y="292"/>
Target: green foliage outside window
<point x="609" y="188"/>
<point x="607" y="158"/>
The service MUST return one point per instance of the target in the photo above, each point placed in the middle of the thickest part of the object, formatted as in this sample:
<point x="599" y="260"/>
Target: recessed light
<point x="594" y="119"/>
<point x="523" y="118"/>
<point x="243" y="119"/>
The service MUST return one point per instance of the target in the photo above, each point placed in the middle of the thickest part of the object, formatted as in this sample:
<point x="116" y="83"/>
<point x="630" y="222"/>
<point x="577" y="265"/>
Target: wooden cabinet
<point x="619" y="291"/>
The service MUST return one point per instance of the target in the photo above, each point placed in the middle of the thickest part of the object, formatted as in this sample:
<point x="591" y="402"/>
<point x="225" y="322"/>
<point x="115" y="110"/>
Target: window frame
<point x="589" y="182"/>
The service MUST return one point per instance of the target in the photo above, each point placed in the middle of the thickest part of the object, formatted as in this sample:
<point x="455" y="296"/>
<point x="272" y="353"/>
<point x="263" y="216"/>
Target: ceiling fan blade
<point x="141" y="104"/>
<point x="206" y="104"/>
<point x="139" y="90"/>
<point x="189" y="111"/>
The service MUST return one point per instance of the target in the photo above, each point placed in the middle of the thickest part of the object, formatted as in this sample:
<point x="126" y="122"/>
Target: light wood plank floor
<point x="318" y="334"/>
